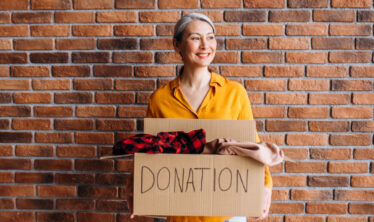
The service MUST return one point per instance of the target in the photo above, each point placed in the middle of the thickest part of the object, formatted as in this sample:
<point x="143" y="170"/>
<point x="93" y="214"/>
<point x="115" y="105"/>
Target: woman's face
<point x="198" y="45"/>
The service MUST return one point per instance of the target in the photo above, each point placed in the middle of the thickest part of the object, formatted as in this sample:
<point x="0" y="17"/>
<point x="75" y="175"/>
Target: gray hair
<point x="187" y="19"/>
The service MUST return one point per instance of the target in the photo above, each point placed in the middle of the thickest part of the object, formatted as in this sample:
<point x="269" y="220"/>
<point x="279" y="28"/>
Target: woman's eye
<point x="211" y="37"/>
<point x="195" y="38"/>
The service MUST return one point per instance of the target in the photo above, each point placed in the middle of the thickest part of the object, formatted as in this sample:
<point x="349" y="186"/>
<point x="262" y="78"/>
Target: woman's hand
<point x="267" y="202"/>
<point x="129" y="193"/>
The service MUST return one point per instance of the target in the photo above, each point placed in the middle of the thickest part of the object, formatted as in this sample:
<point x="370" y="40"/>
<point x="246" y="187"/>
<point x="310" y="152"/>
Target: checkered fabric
<point x="164" y="142"/>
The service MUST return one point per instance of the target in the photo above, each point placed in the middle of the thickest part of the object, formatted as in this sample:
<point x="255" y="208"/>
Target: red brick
<point x="349" y="29"/>
<point x="15" y="137"/>
<point x="32" y="124"/>
<point x="90" y="57"/>
<point x="362" y="71"/>
<point x="264" y="4"/>
<point x="93" y="4"/>
<point x="92" y="30"/>
<point x="6" y="177"/>
<point x="112" y="205"/>
<point x="279" y="195"/>
<point x="53" y="111"/>
<point x="346" y="219"/>
<point x="51" y="216"/>
<point x="73" y="124"/>
<point x="287" y="181"/>
<point x="34" y="150"/>
<point x="5" y="44"/>
<point x="137" y="4"/>
<point x="174" y="57"/>
<point x="159" y="16"/>
<point x="226" y="57"/>
<point x="76" y="151"/>
<point x="351" y="3"/>
<point x="245" y="16"/>
<point x="333" y="16"/>
<point x="88" y="216"/>
<point x="286" y="208"/>
<point x="306" y="57"/>
<point x="156" y="44"/>
<point x="134" y="30"/>
<point x="365" y="16"/>
<point x="17" y="190"/>
<point x="305" y="167"/>
<point x="263" y="29"/>
<point x="74" y="17"/>
<point x="115" y="97"/>
<point x="326" y="208"/>
<point x="352" y="112"/>
<point x="95" y="111"/>
<point x="256" y="97"/>
<point x="53" y="137"/>
<point x="112" y="178"/>
<point x="9" y="111"/>
<point x="308" y="112"/>
<point x="51" y="4"/>
<point x="249" y="43"/>
<point x="75" y="178"/>
<point x="51" y="84"/>
<point x="350" y="57"/>
<point x="132" y="111"/>
<point x="330" y="154"/>
<point x="53" y="57"/>
<point x="4" y="18"/>
<point x="14" y="5"/>
<point x="351" y="85"/>
<point x="362" y="181"/>
<point x="133" y="57"/>
<point x="286" y="98"/>
<point x="363" y="195"/>
<point x="307" y="139"/>
<point x="306" y="29"/>
<point x="284" y="71"/>
<point x="329" y="126"/>
<point x="75" y="97"/>
<point x="74" y="44"/>
<point x="109" y="124"/>
<point x="221" y="4"/>
<point x="309" y="84"/>
<point x="93" y="84"/>
<point x="26" y="177"/>
<point x="4" y="123"/>
<point x="350" y="140"/>
<point x="273" y="138"/>
<point x="57" y="191"/>
<point x="47" y="164"/>
<point x="227" y="30"/>
<point x="364" y="43"/>
<point x="265" y="85"/>
<point x="17" y="215"/>
<point x="30" y="71"/>
<point x="113" y="44"/>
<point x="32" y="17"/>
<point x="311" y="194"/>
<point x="154" y="71"/>
<point x="262" y="57"/>
<point x="94" y="138"/>
<point x="327" y="71"/>
<point x="241" y="71"/>
<point x="94" y="165"/>
<point x="268" y="112"/>
<point x="285" y="125"/>
<point x="135" y="84"/>
<point x="332" y="43"/>
<point x="75" y="204"/>
<point x="12" y="84"/>
<point x="105" y="70"/>
<point x="4" y="71"/>
<point x="363" y="98"/>
<point x="363" y="126"/>
<point x="289" y="43"/>
<point x="14" y="31"/>
<point x="361" y="208"/>
<point x="328" y="181"/>
<point x="183" y="4"/>
<point x="13" y="58"/>
<point x="32" y="97"/>
<point x="347" y="167"/>
<point x="71" y="71"/>
<point x="50" y="30"/>
<point x="289" y="16"/>
<point x="308" y="4"/>
<point x="7" y="203"/>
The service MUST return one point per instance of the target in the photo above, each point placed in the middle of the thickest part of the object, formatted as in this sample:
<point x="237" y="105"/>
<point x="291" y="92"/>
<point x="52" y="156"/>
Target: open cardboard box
<point x="199" y="185"/>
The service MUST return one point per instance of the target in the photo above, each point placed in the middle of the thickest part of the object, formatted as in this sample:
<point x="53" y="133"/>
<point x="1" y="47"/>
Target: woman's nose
<point x="203" y="43"/>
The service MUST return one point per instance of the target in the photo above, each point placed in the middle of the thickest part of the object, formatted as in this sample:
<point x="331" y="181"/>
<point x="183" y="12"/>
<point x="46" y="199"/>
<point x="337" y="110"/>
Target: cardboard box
<point x="199" y="185"/>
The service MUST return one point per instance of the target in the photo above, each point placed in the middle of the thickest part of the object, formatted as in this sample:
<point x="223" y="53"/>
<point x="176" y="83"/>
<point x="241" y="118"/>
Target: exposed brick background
<point x="76" y="75"/>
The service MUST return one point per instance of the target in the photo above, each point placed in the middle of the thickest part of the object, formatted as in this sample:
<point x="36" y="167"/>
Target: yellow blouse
<point x="225" y="99"/>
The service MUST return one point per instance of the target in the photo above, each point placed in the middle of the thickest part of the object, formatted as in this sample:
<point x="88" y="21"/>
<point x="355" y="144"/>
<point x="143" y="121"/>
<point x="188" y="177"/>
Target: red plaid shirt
<point x="164" y="142"/>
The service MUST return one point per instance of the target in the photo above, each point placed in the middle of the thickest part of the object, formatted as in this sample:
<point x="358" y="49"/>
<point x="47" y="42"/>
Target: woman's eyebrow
<point x="199" y="33"/>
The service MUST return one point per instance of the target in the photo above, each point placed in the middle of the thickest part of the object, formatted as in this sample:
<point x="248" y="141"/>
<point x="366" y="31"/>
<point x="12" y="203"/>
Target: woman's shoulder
<point x="228" y="83"/>
<point x="164" y="90"/>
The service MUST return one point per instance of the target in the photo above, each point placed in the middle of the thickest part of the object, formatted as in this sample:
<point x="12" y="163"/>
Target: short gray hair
<point x="187" y="19"/>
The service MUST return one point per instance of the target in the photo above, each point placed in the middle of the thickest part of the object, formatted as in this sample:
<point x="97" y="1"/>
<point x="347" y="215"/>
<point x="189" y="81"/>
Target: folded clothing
<point x="164" y="142"/>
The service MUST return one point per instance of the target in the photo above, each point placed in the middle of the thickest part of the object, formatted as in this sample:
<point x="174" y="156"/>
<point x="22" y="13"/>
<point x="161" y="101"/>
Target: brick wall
<point x="75" y="76"/>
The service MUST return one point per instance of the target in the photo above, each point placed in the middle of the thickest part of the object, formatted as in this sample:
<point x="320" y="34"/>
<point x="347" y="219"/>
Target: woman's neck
<point x="196" y="78"/>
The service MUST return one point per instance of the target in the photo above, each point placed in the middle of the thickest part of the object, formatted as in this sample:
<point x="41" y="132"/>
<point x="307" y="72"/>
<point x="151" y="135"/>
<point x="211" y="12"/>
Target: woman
<point x="200" y="93"/>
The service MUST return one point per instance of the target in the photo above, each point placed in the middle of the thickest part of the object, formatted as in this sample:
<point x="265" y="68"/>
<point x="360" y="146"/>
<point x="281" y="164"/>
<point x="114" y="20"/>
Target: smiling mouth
<point x="203" y="54"/>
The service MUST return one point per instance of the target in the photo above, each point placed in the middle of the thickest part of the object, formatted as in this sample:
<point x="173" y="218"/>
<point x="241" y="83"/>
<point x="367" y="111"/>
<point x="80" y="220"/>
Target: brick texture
<point x="76" y="76"/>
